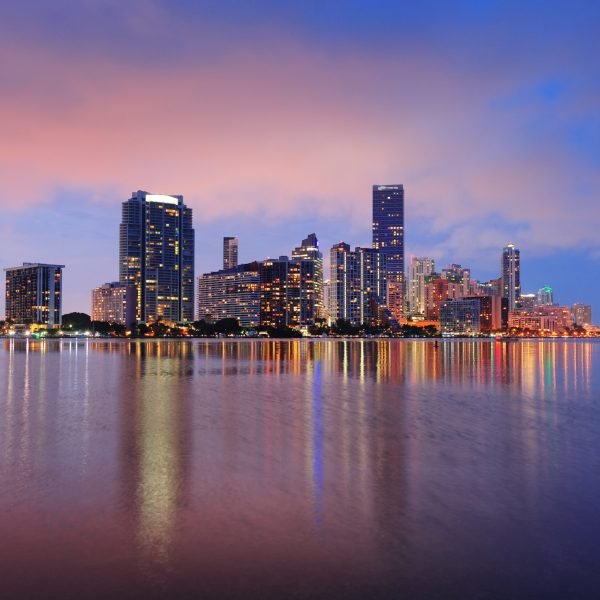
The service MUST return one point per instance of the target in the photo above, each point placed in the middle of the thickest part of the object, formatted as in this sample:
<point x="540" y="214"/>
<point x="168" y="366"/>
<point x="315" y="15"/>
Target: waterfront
<point x="301" y="469"/>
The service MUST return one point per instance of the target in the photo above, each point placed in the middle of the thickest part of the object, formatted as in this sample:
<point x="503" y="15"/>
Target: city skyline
<point x="494" y="144"/>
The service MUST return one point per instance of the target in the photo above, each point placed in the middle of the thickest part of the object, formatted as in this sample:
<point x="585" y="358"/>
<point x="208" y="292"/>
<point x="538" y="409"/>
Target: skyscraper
<point x="34" y="294"/>
<point x="309" y="251"/>
<point x="230" y="252"/>
<point x="357" y="281"/>
<point x="418" y="270"/>
<point x="511" y="275"/>
<point x="157" y="256"/>
<point x="388" y="238"/>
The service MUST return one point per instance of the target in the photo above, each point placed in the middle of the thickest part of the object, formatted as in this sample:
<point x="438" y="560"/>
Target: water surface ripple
<point x="299" y="469"/>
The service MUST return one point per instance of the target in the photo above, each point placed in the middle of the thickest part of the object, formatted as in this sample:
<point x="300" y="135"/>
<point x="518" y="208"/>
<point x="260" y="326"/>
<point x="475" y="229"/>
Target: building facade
<point x="388" y="238"/>
<point x="231" y="294"/>
<point x="461" y="316"/>
<point x="156" y="256"/>
<point x="34" y="294"/>
<point x="418" y="271"/>
<point x="581" y="314"/>
<point x="511" y="275"/>
<point x="114" y="303"/>
<point x="358" y="284"/>
<point x="541" y="319"/>
<point x="230" y="252"/>
<point x="309" y="251"/>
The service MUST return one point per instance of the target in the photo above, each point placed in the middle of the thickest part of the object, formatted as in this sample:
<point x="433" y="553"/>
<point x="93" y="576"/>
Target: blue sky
<point x="274" y="119"/>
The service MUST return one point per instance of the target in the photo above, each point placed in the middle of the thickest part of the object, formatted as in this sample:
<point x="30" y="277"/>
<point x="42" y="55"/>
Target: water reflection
<point x="346" y="468"/>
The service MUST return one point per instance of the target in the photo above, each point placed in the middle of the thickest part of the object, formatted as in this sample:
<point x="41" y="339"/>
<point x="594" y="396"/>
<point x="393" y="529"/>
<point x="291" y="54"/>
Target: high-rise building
<point x="230" y="252"/>
<point x="114" y="303"/>
<point x="418" y="270"/>
<point x="358" y="284"/>
<point x="231" y="294"/>
<point x="34" y="294"/>
<point x="581" y="314"/>
<point x="309" y="250"/>
<point x="545" y="296"/>
<point x="458" y="275"/>
<point x="157" y="256"/>
<point x="388" y="238"/>
<point x="511" y="275"/>
<point x="288" y="296"/>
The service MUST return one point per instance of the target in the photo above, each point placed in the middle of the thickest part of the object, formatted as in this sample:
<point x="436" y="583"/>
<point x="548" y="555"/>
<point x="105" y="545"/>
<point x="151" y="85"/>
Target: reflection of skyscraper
<point x="33" y="294"/>
<point x="157" y="256"/>
<point x="230" y="252"/>
<point x="511" y="275"/>
<point x="388" y="238"/>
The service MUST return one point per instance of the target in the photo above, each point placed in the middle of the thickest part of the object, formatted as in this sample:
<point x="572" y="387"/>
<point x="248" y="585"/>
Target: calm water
<point x="276" y="469"/>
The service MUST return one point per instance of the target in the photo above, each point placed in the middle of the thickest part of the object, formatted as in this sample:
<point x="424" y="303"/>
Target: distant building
<point x="230" y="252"/>
<point x="231" y="294"/>
<point x="511" y="275"/>
<point x="460" y="316"/>
<point x="114" y="303"/>
<point x="34" y="294"/>
<point x="474" y="315"/>
<point x="527" y="301"/>
<point x="545" y="296"/>
<point x="581" y="314"/>
<point x="493" y="287"/>
<point x="418" y="270"/>
<point x="438" y="289"/>
<point x="309" y="250"/>
<point x="358" y="284"/>
<point x="156" y="256"/>
<point x="541" y="319"/>
<point x="388" y="238"/>
<point x="458" y="275"/>
<point x="288" y="292"/>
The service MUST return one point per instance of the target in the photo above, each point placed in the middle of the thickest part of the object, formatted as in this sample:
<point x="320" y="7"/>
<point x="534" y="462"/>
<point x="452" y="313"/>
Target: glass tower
<point x="230" y="252"/>
<point x="388" y="238"/>
<point x="511" y="275"/>
<point x="156" y="256"/>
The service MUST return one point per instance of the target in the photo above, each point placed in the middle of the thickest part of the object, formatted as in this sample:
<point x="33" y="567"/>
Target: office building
<point x="230" y="252"/>
<point x="545" y="296"/>
<point x="581" y="314"/>
<point x="358" y="284"/>
<point x="114" y="303"/>
<point x="34" y="294"/>
<point x="157" y="256"/>
<point x="418" y="270"/>
<point x="511" y="275"/>
<point x="231" y="294"/>
<point x="388" y="238"/>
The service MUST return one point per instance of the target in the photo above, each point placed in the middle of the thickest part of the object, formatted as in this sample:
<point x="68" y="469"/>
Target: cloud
<point x="278" y="118"/>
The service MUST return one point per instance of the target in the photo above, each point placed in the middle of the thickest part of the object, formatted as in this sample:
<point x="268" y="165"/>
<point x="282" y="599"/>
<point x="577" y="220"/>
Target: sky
<point x="274" y="119"/>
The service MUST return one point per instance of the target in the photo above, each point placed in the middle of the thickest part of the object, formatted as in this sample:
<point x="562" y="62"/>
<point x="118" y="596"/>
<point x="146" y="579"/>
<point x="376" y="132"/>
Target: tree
<point x="227" y="326"/>
<point x="77" y="321"/>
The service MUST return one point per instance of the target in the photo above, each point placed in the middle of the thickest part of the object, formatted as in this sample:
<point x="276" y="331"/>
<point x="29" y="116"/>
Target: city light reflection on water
<point x="326" y="468"/>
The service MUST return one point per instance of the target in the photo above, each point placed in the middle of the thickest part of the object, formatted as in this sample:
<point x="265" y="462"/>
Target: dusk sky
<point x="273" y="119"/>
